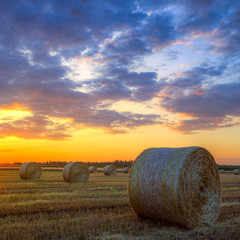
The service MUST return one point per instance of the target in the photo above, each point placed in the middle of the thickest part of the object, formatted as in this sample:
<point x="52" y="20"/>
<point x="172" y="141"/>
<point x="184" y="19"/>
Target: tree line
<point x="117" y="163"/>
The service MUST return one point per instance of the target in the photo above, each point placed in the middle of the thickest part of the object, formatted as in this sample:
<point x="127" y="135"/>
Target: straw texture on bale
<point x="236" y="172"/>
<point x="30" y="170"/>
<point x="110" y="170"/>
<point x="76" y="172"/>
<point x="92" y="169"/>
<point x="177" y="185"/>
<point x="126" y="170"/>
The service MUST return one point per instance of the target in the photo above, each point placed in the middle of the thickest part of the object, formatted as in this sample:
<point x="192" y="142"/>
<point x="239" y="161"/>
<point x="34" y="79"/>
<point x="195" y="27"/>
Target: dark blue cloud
<point x="71" y="23"/>
<point x="154" y="32"/>
<point x="201" y="17"/>
<point x="218" y="19"/>
<point x="159" y="30"/>
<point x="154" y="4"/>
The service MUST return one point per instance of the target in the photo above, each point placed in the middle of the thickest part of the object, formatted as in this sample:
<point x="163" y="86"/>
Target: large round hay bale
<point x="92" y="169"/>
<point x="30" y="170"/>
<point x="177" y="185"/>
<point x="110" y="170"/>
<point x="126" y="170"/>
<point x="222" y="171"/>
<point x="236" y="171"/>
<point x="76" y="172"/>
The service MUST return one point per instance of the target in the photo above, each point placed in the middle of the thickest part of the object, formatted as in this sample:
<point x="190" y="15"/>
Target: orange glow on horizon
<point x="92" y="145"/>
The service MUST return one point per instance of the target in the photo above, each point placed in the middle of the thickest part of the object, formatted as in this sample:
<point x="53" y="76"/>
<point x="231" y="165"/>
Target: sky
<point x="84" y="80"/>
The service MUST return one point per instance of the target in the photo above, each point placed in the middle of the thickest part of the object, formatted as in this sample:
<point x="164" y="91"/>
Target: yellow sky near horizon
<point x="91" y="144"/>
<point x="97" y="145"/>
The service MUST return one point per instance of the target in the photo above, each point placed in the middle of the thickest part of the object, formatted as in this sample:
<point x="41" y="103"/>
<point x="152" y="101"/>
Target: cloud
<point x="215" y="108"/>
<point x="191" y="126"/>
<point x="126" y="85"/>
<point x="48" y="94"/>
<point x="218" y="101"/>
<point x="36" y="127"/>
<point x="189" y="82"/>
<point x="172" y="54"/>
<point x="115" y="122"/>
<point x="37" y="37"/>
<point x="218" y="20"/>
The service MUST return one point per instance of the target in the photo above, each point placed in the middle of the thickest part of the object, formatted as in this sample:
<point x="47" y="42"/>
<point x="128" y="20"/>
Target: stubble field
<point x="99" y="209"/>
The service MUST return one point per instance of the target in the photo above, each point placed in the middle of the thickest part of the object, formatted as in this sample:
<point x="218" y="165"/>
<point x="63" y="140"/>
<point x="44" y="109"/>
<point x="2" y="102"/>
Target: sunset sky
<point x="104" y="80"/>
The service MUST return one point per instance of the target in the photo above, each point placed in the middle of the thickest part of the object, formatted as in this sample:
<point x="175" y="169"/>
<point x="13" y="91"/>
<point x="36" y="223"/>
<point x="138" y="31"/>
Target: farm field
<point x="49" y="208"/>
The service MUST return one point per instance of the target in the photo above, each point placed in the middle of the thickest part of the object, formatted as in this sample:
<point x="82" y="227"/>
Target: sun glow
<point x="13" y="112"/>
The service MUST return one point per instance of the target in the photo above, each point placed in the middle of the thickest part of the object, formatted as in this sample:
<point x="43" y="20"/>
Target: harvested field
<point x="50" y="208"/>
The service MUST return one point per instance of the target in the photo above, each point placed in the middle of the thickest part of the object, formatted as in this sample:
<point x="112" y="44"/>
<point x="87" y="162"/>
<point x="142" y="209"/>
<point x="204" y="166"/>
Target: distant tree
<point x="117" y="163"/>
<point x="228" y="167"/>
<point x="17" y="163"/>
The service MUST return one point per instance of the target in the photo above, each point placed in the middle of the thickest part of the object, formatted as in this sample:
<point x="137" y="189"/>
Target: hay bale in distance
<point x="236" y="171"/>
<point x="92" y="169"/>
<point x="177" y="185"/>
<point x="110" y="170"/>
<point x="76" y="172"/>
<point x="222" y="171"/>
<point x="126" y="170"/>
<point x="30" y="170"/>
